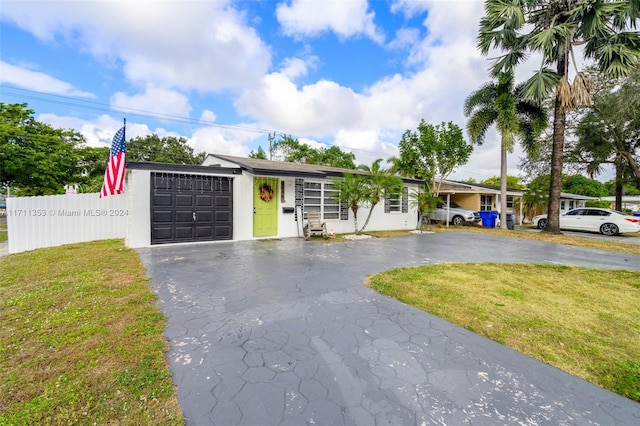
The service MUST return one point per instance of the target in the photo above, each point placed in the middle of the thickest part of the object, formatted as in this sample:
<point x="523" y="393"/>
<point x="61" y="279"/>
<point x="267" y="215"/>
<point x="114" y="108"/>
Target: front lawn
<point x="82" y="339"/>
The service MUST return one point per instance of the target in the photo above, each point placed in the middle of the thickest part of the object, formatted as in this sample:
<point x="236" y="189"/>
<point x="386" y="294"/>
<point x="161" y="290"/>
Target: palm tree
<point x="502" y="104"/>
<point x="603" y="28"/>
<point x="367" y="189"/>
<point x="380" y="183"/>
<point x="352" y="191"/>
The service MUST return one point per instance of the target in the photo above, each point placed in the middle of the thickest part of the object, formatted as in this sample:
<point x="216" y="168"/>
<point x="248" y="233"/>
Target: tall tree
<point x="502" y="103"/>
<point x="609" y="132"/>
<point x="605" y="29"/>
<point x="168" y="149"/>
<point x="259" y="154"/>
<point x="291" y="150"/>
<point x="514" y="182"/>
<point x="433" y="152"/>
<point x="35" y="158"/>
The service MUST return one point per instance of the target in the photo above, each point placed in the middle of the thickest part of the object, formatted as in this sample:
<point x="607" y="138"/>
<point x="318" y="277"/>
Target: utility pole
<point x="271" y="137"/>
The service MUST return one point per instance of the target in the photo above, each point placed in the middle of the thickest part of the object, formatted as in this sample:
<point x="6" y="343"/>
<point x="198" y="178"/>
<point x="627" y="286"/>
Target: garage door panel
<point x="176" y="198"/>
<point x="162" y="217"/>
<point x="204" y="216"/>
<point x="223" y="201"/>
<point x="162" y="200"/>
<point x="222" y="232"/>
<point x="204" y="232"/>
<point x="163" y="233"/>
<point x="223" y="216"/>
<point x="184" y="200"/>
<point x="184" y="217"/>
<point x="204" y="200"/>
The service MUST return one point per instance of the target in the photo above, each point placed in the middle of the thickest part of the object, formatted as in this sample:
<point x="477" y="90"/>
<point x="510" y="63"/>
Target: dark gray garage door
<point x="187" y="208"/>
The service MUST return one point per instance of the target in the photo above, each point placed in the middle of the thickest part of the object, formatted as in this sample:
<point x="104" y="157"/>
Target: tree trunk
<point x="557" y="154"/>
<point x="355" y="220"/>
<point x="503" y="184"/>
<point x="618" y="190"/>
<point x="366" y="222"/>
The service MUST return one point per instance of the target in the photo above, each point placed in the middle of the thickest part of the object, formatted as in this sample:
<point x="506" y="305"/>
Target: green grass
<point x="4" y="234"/>
<point x="583" y="321"/>
<point x="82" y="339"/>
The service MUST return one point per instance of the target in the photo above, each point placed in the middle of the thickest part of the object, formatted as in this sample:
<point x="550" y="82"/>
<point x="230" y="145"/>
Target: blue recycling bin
<point x="488" y="219"/>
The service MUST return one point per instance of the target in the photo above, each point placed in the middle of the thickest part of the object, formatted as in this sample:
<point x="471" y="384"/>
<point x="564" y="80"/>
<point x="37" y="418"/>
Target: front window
<point x="395" y="202"/>
<point x="323" y="198"/>
<point x="486" y="203"/>
<point x="510" y="201"/>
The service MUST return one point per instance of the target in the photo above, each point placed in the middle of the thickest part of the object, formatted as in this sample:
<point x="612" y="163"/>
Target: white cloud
<point x="309" y="18"/>
<point x="225" y="140"/>
<point x="38" y="81"/>
<point x="162" y="103"/>
<point x="192" y="45"/>
<point x="209" y="116"/>
<point x="99" y="131"/>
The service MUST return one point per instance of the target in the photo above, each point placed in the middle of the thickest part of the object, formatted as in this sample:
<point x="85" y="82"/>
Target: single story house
<point x="237" y="198"/>
<point x="631" y="202"/>
<point x="481" y="197"/>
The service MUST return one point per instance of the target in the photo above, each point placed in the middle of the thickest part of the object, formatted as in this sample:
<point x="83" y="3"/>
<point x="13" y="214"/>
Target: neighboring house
<point x="481" y="197"/>
<point x="573" y="201"/>
<point x="630" y="202"/>
<point x="237" y="198"/>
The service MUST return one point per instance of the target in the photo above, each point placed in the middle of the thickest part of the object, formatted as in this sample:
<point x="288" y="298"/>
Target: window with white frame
<point x="398" y="202"/>
<point x="510" y="201"/>
<point x="322" y="197"/>
<point x="394" y="203"/>
<point x="486" y="203"/>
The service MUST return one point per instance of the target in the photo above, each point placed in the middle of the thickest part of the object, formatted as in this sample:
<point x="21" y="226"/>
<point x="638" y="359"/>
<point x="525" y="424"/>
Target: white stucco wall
<point x="138" y="184"/>
<point x="138" y="230"/>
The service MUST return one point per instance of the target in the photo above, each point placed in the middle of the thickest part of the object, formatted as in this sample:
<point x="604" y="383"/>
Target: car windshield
<point x="454" y="205"/>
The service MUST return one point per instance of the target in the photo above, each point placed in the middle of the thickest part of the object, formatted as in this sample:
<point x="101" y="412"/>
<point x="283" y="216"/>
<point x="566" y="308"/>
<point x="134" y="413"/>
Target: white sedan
<point x="605" y="221"/>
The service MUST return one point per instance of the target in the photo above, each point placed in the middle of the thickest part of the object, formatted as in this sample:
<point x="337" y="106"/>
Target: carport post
<point x="448" y="204"/>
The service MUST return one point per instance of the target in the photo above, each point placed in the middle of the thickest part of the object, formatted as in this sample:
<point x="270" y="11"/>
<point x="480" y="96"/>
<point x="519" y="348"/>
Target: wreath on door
<point x="266" y="192"/>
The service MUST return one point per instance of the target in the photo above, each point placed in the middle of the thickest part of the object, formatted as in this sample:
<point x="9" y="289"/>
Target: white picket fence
<point x="53" y="220"/>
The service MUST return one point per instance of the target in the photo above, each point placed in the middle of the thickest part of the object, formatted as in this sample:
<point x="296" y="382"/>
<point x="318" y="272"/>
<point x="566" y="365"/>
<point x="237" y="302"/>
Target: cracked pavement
<point x="284" y="333"/>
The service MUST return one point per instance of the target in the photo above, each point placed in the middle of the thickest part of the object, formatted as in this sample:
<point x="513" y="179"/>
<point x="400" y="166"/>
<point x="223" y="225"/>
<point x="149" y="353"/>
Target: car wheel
<point x="542" y="223"/>
<point x="609" y="229"/>
<point x="457" y="220"/>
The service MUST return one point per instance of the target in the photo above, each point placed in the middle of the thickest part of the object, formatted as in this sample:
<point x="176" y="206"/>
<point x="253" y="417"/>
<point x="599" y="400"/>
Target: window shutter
<point x="405" y="199"/>
<point x="387" y="203"/>
<point x="299" y="195"/>
<point x="344" y="210"/>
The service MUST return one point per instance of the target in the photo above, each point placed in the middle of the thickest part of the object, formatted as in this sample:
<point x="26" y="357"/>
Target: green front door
<point x="265" y="207"/>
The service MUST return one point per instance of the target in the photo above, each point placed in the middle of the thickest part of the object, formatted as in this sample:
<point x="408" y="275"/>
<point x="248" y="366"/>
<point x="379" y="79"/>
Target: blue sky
<point x="225" y="74"/>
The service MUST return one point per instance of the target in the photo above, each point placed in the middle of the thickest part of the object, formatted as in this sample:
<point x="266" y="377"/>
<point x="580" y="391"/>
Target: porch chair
<point x="314" y="225"/>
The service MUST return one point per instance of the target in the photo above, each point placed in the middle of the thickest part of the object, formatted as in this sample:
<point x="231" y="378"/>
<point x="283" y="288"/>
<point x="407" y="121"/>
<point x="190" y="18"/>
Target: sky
<point x="226" y="74"/>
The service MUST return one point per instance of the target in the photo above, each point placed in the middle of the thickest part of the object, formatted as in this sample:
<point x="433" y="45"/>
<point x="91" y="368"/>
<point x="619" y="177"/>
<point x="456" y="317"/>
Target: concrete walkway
<point x="284" y="333"/>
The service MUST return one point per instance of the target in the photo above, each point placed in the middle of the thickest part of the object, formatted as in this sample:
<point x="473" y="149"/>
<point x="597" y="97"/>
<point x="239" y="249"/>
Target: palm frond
<point x="539" y="85"/>
<point x="481" y="97"/>
<point x="479" y="124"/>
<point x="508" y="61"/>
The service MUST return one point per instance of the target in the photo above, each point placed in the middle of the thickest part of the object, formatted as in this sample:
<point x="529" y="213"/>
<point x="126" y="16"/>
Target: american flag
<point x="114" y="174"/>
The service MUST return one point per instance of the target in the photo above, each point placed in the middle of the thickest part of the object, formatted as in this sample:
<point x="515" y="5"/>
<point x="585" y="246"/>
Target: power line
<point x="101" y="106"/>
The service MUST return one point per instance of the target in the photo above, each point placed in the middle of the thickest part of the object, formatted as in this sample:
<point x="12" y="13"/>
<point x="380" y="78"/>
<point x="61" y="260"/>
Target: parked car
<point x="457" y="214"/>
<point x="605" y="221"/>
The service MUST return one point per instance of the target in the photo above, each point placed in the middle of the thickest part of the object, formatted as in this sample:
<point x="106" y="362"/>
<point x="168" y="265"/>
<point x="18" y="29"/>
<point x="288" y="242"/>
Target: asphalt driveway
<point x="284" y="333"/>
